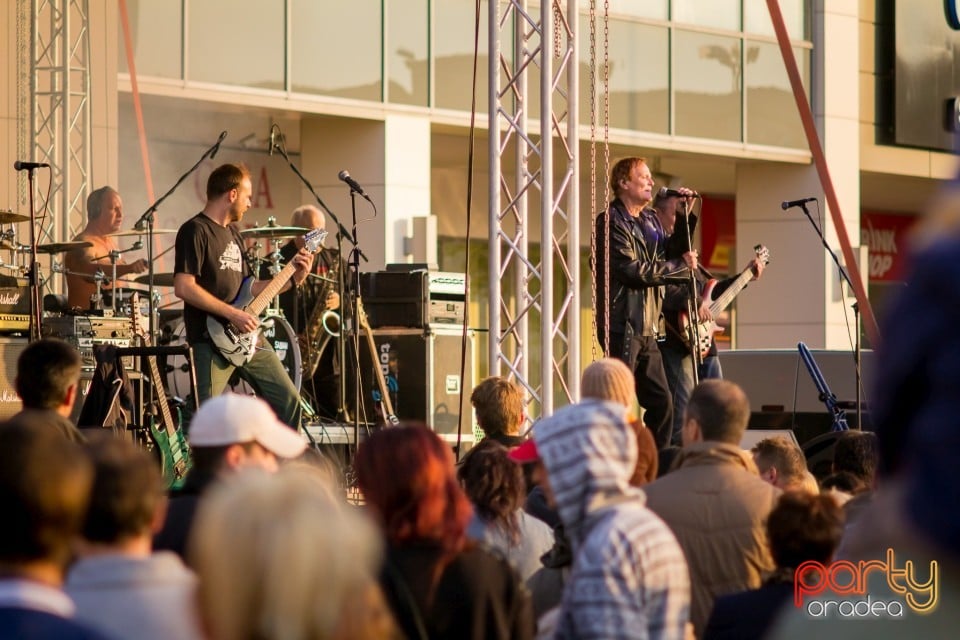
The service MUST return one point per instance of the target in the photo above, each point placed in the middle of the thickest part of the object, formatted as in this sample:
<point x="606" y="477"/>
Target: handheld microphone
<point x="786" y="204"/>
<point x="20" y="165"/>
<point x="273" y="139"/>
<point x="345" y="176"/>
<point x="669" y="193"/>
<point x="216" y="147"/>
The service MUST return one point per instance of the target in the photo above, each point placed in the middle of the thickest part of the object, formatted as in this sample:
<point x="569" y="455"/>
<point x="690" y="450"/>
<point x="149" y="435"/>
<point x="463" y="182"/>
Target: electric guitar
<point x="386" y="405"/>
<point x="708" y="328"/>
<point x="238" y="348"/>
<point x="167" y="436"/>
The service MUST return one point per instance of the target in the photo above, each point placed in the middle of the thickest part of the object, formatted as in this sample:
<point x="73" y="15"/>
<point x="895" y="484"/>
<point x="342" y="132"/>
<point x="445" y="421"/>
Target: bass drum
<point x="276" y="330"/>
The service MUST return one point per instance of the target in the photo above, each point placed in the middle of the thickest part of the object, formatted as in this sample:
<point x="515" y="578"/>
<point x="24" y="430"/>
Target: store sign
<point x="886" y="236"/>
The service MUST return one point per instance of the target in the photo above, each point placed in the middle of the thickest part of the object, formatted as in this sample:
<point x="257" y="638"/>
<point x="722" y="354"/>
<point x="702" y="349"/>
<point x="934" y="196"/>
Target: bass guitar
<point x="707" y="328"/>
<point x="238" y="348"/>
<point x="167" y="436"/>
<point x="386" y="405"/>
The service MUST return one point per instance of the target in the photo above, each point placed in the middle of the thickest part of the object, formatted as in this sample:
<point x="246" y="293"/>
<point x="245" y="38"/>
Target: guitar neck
<point x="259" y="303"/>
<point x="731" y="292"/>
<point x="168" y="424"/>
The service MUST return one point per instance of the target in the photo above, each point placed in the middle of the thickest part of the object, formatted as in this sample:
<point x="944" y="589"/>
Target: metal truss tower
<point x="53" y="108"/>
<point x="534" y="313"/>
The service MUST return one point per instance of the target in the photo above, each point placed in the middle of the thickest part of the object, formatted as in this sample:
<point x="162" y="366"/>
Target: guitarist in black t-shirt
<point x="208" y="272"/>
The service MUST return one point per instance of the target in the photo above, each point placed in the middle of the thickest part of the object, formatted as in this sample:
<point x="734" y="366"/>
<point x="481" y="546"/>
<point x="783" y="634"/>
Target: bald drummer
<point x="104" y="216"/>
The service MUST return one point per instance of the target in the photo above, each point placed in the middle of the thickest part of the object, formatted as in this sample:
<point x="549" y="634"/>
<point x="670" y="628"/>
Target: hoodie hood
<point x="589" y="453"/>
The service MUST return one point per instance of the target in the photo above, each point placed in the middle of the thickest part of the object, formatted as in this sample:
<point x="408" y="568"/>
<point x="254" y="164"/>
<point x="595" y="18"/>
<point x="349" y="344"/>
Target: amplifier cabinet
<point x="422" y="371"/>
<point x="10" y="350"/>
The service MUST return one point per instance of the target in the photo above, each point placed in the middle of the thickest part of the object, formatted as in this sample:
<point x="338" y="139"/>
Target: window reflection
<point x="716" y="14"/>
<point x="639" y="77"/>
<point x="237" y="42"/>
<point x="407" y="63"/>
<point x="453" y="54"/>
<point x="656" y="9"/>
<point x="772" y="112"/>
<point x="157" y="38"/>
<point x="756" y="18"/>
<point x="336" y="48"/>
<point x="707" y="86"/>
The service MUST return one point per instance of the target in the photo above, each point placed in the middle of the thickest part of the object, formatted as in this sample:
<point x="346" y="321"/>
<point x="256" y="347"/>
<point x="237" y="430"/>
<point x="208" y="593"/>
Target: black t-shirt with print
<point x="214" y="255"/>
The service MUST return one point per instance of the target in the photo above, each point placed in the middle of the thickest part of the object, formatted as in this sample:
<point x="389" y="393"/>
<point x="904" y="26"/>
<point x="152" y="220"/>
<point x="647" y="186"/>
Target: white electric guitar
<point x="708" y="328"/>
<point x="237" y="347"/>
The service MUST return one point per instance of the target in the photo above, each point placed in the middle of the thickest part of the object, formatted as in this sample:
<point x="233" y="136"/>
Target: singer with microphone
<point x="674" y="212"/>
<point x="631" y="274"/>
<point x="104" y="216"/>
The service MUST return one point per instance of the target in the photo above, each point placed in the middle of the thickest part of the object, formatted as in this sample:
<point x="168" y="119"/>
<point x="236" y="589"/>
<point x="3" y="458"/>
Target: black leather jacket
<point x="637" y="275"/>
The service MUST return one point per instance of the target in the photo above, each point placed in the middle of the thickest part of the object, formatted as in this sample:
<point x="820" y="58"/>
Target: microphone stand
<point x="856" y="314"/>
<point x="343" y="416"/>
<point x="147" y="220"/>
<point x="693" y="298"/>
<point x="36" y="310"/>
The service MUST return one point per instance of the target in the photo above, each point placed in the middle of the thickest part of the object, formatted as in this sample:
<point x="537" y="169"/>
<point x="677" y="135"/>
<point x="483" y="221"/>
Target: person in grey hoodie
<point x="629" y="577"/>
<point x="120" y="588"/>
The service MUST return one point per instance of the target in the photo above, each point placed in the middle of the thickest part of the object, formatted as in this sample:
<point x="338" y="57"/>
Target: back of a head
<point x="498" y="403"/>
<point x="277" y="558"/>
<point x="781" y="454"/>
<point x="45" y="370"/>
<point x="127" y="490"/>
<point x="804" y="526"/>
<point x="45" y="484"/>
<point x="858" y="453"/>
<point x="493" y="483"/>
<point x="407" y="478"/>
<point x="721" y="409"/>
<point x="609" y="379"/>
<point x="225" y="178"/>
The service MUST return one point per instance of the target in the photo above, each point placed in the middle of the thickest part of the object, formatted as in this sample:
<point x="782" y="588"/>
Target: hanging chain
<point x="24" y="89"/>
<point x="606" y="170"/>
<point x="594" y="205"/>
<point x="557" y="25"/>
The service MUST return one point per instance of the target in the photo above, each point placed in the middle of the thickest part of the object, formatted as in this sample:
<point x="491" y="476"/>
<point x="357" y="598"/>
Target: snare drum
<point x="276" y="330"/>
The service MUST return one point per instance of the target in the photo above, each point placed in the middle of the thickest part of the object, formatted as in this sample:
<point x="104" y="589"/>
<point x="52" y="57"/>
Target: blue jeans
<point x="264" y="373"/>
<point x="678" y="366"/>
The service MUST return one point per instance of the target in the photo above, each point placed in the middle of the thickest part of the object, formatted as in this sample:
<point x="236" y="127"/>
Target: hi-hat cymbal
<point x="273" y="232"/>
<point x="7" y="217"/>
<point x="59" y="247"/>
<point x="159" y="279"/>
<point x="140" y="232"/>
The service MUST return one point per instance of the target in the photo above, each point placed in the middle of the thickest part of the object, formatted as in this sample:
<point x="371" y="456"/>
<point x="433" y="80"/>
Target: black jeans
<point x="653" y="393"/>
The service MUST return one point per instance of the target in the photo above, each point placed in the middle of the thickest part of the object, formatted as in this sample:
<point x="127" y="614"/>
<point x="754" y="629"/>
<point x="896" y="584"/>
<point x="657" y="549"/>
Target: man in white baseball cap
<point x="229" y="433"/>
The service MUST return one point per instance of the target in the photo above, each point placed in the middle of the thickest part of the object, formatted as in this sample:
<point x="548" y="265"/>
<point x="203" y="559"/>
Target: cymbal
<point x="9" y="216"/>
<point x="273" y="232"/>
<point x="139" y="232"/>
<point x="159" y="279"/>
<point x="59" y="247"/>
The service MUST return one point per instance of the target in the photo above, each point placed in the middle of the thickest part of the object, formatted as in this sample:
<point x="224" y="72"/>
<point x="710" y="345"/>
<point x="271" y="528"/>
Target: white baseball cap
<point x="231" y="418"/>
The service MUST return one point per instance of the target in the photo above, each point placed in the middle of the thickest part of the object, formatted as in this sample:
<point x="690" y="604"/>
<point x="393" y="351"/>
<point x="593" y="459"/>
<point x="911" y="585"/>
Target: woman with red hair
<point x="437" y="583"/>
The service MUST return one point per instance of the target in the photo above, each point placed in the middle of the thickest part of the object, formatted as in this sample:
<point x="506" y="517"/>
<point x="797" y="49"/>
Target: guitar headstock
<point x="362" y="315"/>
<point x="763" y="254"/>
<point x="136" y="320"/>
<point x="313" y="240"/>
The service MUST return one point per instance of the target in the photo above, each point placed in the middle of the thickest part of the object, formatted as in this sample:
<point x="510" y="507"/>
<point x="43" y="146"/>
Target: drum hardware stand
<point x="117" y="289"/>
<point x="33" y="273"/>
<point x="342" y="233"/>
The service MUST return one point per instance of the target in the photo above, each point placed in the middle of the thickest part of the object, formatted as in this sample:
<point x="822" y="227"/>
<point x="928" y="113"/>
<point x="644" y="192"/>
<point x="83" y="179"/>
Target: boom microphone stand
<point x="856" y="313"/>
<point x="277" y="144"/>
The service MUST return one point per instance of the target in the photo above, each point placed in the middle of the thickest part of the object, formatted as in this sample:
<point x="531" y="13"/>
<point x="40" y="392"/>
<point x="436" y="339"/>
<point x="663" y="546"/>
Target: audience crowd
<point x="573" y="527"/>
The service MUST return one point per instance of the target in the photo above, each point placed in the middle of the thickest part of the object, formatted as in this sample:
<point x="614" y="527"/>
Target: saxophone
<point x="323" y="324"/>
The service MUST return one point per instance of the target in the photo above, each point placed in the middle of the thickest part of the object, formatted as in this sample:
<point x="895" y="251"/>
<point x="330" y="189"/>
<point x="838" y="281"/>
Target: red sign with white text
<point x="886" y="235"/>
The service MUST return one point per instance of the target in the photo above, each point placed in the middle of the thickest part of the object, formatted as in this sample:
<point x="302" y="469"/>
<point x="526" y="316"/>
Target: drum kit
<point x="276" y="329"/>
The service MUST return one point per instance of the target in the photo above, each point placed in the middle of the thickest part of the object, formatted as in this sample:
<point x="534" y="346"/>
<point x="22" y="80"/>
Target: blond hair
<point x="279" y="558"/>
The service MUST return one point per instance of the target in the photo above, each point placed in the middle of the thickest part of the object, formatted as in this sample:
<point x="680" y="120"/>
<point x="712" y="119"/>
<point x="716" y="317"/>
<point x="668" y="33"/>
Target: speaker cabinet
<point x="422" y="373"/>
<point x="10" y="350"/>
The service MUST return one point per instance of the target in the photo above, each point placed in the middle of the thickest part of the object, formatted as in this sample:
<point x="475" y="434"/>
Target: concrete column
<point x="800" y="297"/>
<point x="390" y="159"/>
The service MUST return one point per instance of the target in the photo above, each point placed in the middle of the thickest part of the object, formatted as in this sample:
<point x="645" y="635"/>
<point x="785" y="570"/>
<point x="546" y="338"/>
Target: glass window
<point x="772" y="117"/>
<point x="238" y="42"/>
<point x="155" y="28"/>
<point x="453" y="53"/>
<point x="706" y="85"/>
<point x="408" y="64"/>
<point x="639" y="77"/>
<point x="336" y="48"/>
<point x="716" y="14"/>
<point x="756" y="18"/>
<point x="656" y="9"/>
